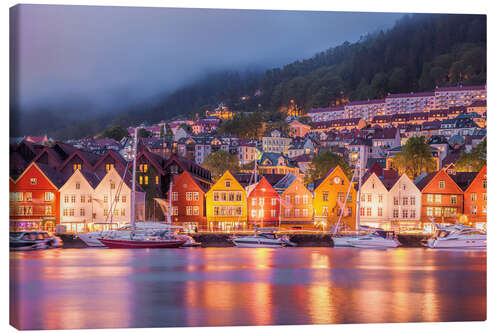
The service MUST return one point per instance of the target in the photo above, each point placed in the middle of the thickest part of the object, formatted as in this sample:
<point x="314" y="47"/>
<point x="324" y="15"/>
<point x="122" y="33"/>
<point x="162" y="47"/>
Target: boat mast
<point x="132" y="209"/>
<point x="358" y="196"/>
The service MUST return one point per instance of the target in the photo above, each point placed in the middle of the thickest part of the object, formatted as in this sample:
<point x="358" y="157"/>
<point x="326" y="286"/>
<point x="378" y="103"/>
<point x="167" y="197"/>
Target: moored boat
<point x="265" y="238"/>
<point x="155" y="241"/>
<point x="33" y="240"/>
<point x="379" y="239"/>
<point x="457" y="236"/>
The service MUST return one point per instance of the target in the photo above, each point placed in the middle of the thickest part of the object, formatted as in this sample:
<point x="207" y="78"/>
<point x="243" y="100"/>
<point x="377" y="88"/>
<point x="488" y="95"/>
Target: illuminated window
<point x="175" y="196"/>
<point x="29" y="197"/>
<point x="122" y="212"/>
<point x="124" y="198"/>
<point x="287" y="212"/>
<point x="453" y="199"/>
<point x="484" y="196"/>
<point x="73" y="198"/>
<point x="430" y="198"/>
<point x="146" y="180"/>
<point x="82" y="211"/>
<point x="196" y="210"/>
<point x="157" y="180"/>
<point x="49" y="196"/>
<point x="33" y="181"/>
<point x="71" y="212"/>
<point x="441" y="184"/>
<point x="437" y="198"/>
<point x="429" y="211"/>
<point x="28" y="210"/>
<point x="368" y="211"/>
<point x="274" y="201"/>
<point x="196" y="196"/>
<point x="77" y="186"/>
<point x="66" y="198"/>
<point x="189" y="196"/>
<point x="77" y="166"/>
<point x="474" y="210"/>
<point x="82" y="199"/>
<point x="473" y="196"/>
<point x="325" y="196"/>
<point x="140" y="180"/>
<point x="379" y="211"/>
<point x="109" y="167"/>
<point x="273" y="212"/>
<point x="105" y="199"/>
<point x="362" y="211"/>
<point x="112" y="185"/>
<point x="380" y="198"/>
<point x="254" y="201"/>
<point x="175" y="210"/>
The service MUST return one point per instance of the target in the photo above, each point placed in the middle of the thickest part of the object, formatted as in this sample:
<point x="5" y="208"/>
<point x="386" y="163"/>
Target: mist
<point x="104" y="58"/>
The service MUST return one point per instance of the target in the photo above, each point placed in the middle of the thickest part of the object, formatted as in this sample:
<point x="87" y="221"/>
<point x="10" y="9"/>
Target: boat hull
<point x="374" y="244"/>
<point x="91" y="240"/>
<point x="139" y="244"/>
<point x="257" y="245"/>
<point x="457" y="243"/>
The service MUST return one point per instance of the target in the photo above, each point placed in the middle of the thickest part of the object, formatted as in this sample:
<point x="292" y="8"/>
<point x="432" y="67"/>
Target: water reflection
<point x="101" y="288"/>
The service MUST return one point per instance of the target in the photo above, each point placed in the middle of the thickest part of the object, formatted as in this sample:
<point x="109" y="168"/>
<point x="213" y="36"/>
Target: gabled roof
<point x="114" y="155"/>
<point x="55" y="177"/>
<point x="284" y="182"/>
<point x="89" y="158"/>
<point x="425" y="180"/>
<point x="463" y="179"/>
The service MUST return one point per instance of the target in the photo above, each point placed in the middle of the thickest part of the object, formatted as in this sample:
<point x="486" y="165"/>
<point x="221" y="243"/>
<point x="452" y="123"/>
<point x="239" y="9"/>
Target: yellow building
<point x="329" y="196"/>
<point x="226" y="205"/>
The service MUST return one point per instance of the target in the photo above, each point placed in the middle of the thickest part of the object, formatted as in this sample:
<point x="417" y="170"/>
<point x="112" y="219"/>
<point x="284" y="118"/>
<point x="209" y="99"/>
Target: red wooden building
<point x="188" y="203"/>
<point x="34" y="198"/>
<point x="475" y="200"/>
<point x="263" y="205"/>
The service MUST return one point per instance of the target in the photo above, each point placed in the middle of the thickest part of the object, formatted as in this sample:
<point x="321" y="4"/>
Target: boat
<point x="91" y="239"/>
<point x="265" y="238"/>
<point x="379" y="239"/>
<point x="457" y="236"/>
<point x="190" y="242"/>
<point x="162" y="239"/>
<point x="33" y="240"/>
<point x="343" y="239"/>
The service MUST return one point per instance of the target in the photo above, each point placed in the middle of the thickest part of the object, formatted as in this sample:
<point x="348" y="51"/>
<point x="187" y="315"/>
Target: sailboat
<point x="160" y="239"/>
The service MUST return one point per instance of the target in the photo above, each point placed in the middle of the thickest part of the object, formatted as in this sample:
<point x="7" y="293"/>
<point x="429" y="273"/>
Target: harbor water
<point x="105" y="288"/>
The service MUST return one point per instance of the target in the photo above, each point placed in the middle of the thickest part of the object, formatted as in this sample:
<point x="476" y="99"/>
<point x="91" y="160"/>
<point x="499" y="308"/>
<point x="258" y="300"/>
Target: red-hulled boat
<point x="142" y="243"/>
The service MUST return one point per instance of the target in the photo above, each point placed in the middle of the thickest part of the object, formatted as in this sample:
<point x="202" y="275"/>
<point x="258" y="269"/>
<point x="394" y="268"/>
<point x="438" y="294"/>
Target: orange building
<point x="188" y="202"/>
<point x="475" y="207"/>
<point x="443" y="196"/>
<point x="296" y="203"/>
<point x="34" y="198"/>
<point x="263" y="205"/>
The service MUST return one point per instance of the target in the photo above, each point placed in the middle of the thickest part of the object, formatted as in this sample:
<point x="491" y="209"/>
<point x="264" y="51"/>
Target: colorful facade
<point x="34" y="199"/>
<point x="226" y="205"/>
<point x="329" y="197"/>
<point x="297" y="206"/>
<point x="188" y="203"/>
<point x="263" y="206"/>
<point x="475" y="198"/>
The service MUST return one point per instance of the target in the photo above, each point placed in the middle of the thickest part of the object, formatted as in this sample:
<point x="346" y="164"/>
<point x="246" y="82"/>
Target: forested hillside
<point x="417" y="54"/>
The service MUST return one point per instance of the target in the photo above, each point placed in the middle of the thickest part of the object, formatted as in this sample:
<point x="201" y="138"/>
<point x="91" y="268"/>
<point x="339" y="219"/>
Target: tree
<point x="166" y="134"/>
<point x="187" y="127"/>
<point x="144" y="133"/>
<point x="115" y="132"/>
<point x="415" y="158"/>
<point x="474" y="160"/>
<point x="321" y="164"/>
<point x="220" y="161"/>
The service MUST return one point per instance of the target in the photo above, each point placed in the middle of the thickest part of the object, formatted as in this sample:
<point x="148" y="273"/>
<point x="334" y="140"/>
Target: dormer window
<point x="109" y="167"/>
<point x="33" y="181"/>
<point x="228" y="183"/>
<point x="77" y="166"/>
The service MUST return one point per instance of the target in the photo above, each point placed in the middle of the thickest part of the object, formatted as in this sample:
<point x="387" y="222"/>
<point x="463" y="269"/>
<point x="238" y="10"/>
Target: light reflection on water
<point x="103" y="288"/>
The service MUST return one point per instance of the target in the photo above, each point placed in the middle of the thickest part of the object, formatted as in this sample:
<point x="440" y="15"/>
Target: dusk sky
<point x="101" y="55"/>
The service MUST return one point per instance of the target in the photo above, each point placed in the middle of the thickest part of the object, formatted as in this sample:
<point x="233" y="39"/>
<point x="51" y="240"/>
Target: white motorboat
<point x="344" y="239"/>
<point x="146" y="228"/>
<point x="33" y="240"/>
<point x="457" y="236"/>
<point x="266" y="238"/>
<point x="379" y="239"/>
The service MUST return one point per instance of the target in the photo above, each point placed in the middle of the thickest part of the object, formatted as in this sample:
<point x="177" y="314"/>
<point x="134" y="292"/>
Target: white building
<point x="373" y="204"/>
<point x="77" y="204"/>
<point x="113" y="201"/>
<point x="326" y="114"/>
<point x="404" y="204"/>
<point x="276" y="142"/>
<point x="365" y="109"/>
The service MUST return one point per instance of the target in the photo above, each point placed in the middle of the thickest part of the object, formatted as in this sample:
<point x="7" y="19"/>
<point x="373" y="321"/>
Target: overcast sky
<point x="104" y="54"/>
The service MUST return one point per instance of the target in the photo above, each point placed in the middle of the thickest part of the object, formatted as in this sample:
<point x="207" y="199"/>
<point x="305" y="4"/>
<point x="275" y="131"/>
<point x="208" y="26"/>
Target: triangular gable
<point x="114" y="155"/>
<point x="146" y="154"/>
<point x="337" y="171"/>
<point x="219" y="183"/>
<point x="79" y="175"/>
<point x="113" y="174"/>
<point x="72" y="156"/>
<point x="479" y="177"/>
<point x="402" y="178"/>
<point x="373" y="178"/>
<point x="296" y="182"/>
<point x="50" y="153"/>
<point x="34" y="165"/>
<point x="263" y="183"/>
<point x="193" y="180"/>
<point x="442" y="174"/>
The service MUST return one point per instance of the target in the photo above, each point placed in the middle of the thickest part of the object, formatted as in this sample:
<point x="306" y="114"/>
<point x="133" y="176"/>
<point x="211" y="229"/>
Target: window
<point x="273" y="212"/>
<point x="305" y="199"/>
<point x="287" y="199"/>
<point x="71" y="212"/>
<point x="82" y="198"/>
<point x="379" y="211"/>
<point x="287" y="212"/>
<point x="324" y="211"/>
<point x="77" y="166"/>
<point x="261" y="201"/>
<point x="380" y="198"/>
<point x="157" y="180"/>
<point x="369" y="198"/>
<point x="405" y="213"/>
<point x="412" y="213"/>
<point x="253" y="213"/>
<point x="112" y="185"/>
<point x="430" y="198"/>
<point x="305" y="212"/>
<point x="484" y="210"/>
<point x="254" y="201"/>
<point x="82" y="211"/>
<point x="73" y="198"/>
<point x="122" y="212"/>
<point x="140" y="180"/>
<point x="296" y="212"/>
<point x="405" y="201"/>
<point x="146" y="180"/>
<point x="228" y="183"/>
<point x="33" y="181"/>
<point x="189" y="210"/>
<point x="474" y="210"/>
<point x="362" y="197"/>
<point x="396" y="201"/>
<point x="115" y="212"/>
<point x="77" y="186"/>
<point x="28" y="210"/>
<point x="175" y="210"/>
<point x="297" y="199"/>
<point x="437" y="198"/>
<point x="65" y="212"/>
<point x="473" y="197"/>
<point x="196" y="196"/>
<point x="368" y="211"/>
<point x="412" y="201"/>
<point x="362" y="211"/>
<point x="89" y="199"/>
<point x="28" y="196"/>
<point x="189" y="196"/>
<point x="349" y="198"/>
<point x="109" y="167"/>
<point x="429" y="211"/>
<point x="105" y="199"/>
<point x="349" y="211"/>
<point x="325" y="196"/>
<point x="441" y="184"/>
<point x="484" y="196"/>
<point x="453" y="199"/>
<point x="273" y="201"/>
<point x="395" y="213"/>
<point x="175" y="196"/>
<point x="49" y="196"/>
<point x="484" y="183"/>
<point x="196" y="210"/>
<point x="340" y="196"/>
